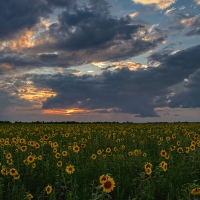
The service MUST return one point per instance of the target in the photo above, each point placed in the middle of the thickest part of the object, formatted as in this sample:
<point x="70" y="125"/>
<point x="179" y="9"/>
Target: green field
<point x="100" y="161"/>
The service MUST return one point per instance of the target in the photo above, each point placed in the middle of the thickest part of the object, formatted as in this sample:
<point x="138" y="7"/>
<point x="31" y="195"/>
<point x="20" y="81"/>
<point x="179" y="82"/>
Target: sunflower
<point x="144" y="155"/>
<point x="163" y="153"/>
<point x="103" y="178"/>
<point x="29" y="196"/>
<point x="148" y="165"/>
<point x="195" y="191"/>
<point x="173" y="136"/>
<point x="93" y="156"/>
<point x="10" y="161"/>
<point x="99" y="152"/>
<point x="167" y="156"/>
<point x="164" y="167"/>
<point x="55" y="145"/>
<point x="37" y="145"/>
<point x="40" y="157"/>
<point x="30" y="159"/>
<point x="9" y="156"/>
<point x="13" y="171"/>
<point x="76" y="148"/>
<point x="130" y="153"/>
<point x="180" y="150"/>
<point x="162" y="164"/>
<point x="159" y="143"/>
<point x="115" y="149"/>
<point x="187" y="149"/>
<point x="66" y="134"/>
<point x="59" y="163"/>
<point x="34" y="165"/>
<point x="45" y="137"/>
<point x="192" y="147"/>
<point x="108" y="185"/>
<point x="148" y="171"/>
<point x="64" y="153"/>
<point x="70" y="169"/>
<point x="55" y="150"/>
<point x="4" y="171"/>
<point x="23" y="148"/>
<point x="172" y="148"/>
<point x="16" y="176"/>
<point x="178" y="143"/>
<point x="57" y="155"/>
<point x="48" y="189"/>
<point x="108" y="150"/>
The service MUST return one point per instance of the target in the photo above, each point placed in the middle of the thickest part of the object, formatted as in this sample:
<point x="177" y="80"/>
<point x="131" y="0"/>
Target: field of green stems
<point x="158" y="161"/>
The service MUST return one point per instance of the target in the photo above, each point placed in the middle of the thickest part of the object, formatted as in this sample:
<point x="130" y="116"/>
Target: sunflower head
<point x="108" y="185"/>
<point x="48" y="189"/>
<point x="103" y="178"/>
<point x="70" y="169"/>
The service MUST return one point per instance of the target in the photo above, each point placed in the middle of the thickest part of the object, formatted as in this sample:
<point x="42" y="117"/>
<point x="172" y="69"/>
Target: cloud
<point x="189" y="96"/>
<point x="132" y="15"/>
<point x="198" y="1"/>
<point x="137" y="92"/>
<point x="17" y="16"/>
<point x="82" y="34"/>
<point x="170" y="10"/>
<point x="160" y="4"/>
<point x="7" y="101"/>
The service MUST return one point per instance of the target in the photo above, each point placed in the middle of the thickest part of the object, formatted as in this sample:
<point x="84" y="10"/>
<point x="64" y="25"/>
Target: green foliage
<point x="39" y="155"/>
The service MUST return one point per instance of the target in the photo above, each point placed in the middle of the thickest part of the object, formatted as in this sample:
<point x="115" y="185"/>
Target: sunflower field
<point x="158" y="161"/>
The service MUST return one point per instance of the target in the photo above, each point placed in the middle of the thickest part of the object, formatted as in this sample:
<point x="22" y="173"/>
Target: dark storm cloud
<point x="136" y="92"/>
<point x="62" y="3"/>
<point x="188" y="21"/>
<point x="118" y="90"/>
<point x="92" y="31"/>
<point x="7" y="100"/>
<point x="83" y="34"/>
<point x="189" y="96"/>
<point x="16" y="16"/>
<point x="194" y="32"/>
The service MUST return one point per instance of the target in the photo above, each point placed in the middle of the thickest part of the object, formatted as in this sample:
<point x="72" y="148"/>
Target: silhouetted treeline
<point x="5" y="122"/>
<point x="74" y="122"/>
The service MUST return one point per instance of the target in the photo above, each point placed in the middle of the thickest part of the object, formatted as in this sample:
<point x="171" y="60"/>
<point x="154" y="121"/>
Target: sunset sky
<point x="100" y="60"/>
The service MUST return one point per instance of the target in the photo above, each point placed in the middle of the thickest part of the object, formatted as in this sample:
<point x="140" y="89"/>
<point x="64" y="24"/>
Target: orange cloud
<point x="5" y="66"/>
<point x="69" y="111"/>
<point x="133" y="14"/>
<point x="190" y="21"/>
<point x="23" y="41"/>
<point x="130" y="65"/>
<point x="31" y="93"/>
<point x="198" y="2"/>
<point x="160" y="4"/>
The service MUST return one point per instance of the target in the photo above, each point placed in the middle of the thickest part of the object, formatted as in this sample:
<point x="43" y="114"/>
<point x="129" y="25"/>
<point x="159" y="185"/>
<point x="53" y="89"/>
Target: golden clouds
<point x="5" y="66"/>
<point x="189" y="22"/>
<point x="160" y="4"/>
<point x="130" y="65"/>
<point x="31" y="93"/>
<point x="133" y="14"/>
<point x="198" y="2"/>
<point x="23" y="41"/>
<point x="65" y="111"/>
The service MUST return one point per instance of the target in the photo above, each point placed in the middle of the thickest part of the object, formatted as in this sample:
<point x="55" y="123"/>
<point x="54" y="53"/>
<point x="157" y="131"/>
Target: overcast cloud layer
<point x="99" y="58"/>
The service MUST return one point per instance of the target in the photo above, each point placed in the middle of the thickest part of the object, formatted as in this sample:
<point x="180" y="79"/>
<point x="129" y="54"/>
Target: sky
<point x="100" y="60"/>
